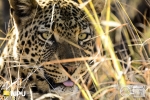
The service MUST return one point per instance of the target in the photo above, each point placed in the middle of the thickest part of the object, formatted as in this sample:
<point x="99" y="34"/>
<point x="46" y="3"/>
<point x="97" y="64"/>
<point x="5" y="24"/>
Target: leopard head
<point x="50" y="32"/>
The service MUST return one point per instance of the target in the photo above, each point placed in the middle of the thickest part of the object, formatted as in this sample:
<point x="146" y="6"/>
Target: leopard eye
<point x="82" y="36"/>
<point x="45" y="35"/>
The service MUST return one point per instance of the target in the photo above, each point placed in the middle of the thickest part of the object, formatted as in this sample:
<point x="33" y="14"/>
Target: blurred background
<point x="4" y="15"/>
<point x="4" y="19"/>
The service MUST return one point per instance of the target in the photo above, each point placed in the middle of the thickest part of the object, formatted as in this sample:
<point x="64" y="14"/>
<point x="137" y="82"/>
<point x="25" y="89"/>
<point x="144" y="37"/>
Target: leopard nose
<point x="69" y="69"/>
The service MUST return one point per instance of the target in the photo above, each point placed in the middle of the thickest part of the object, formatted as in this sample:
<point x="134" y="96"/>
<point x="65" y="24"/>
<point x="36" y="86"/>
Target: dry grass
<point x="108" y="75"/>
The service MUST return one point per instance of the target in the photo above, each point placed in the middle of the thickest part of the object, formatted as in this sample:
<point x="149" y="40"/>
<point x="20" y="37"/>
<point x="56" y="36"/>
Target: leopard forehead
<point x="65" y="18"/>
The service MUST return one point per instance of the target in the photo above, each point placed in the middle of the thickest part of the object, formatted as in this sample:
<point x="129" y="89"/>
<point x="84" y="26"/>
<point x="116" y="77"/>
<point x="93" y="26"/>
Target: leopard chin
<point x="65" y="88"/>
<point x="68" y="83"/>
<point x="64" y="91"/>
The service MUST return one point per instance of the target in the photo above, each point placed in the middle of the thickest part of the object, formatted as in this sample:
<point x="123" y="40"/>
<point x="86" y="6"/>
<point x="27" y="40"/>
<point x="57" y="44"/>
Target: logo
<point x="13" y="93"/>
<point x="6" y="92"/>
<point x="134" y="90"/>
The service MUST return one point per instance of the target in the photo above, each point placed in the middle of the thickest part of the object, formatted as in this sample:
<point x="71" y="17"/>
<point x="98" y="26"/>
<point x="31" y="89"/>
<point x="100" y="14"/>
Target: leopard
<point x="45" y="35"/>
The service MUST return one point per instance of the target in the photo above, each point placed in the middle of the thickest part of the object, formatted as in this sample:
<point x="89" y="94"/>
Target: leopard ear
<point x="22" y="10"/>
<point x="98" y="5"/>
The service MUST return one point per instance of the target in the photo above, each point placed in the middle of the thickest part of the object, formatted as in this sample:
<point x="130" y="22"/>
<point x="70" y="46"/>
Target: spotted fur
<point x="46" y="31"/>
